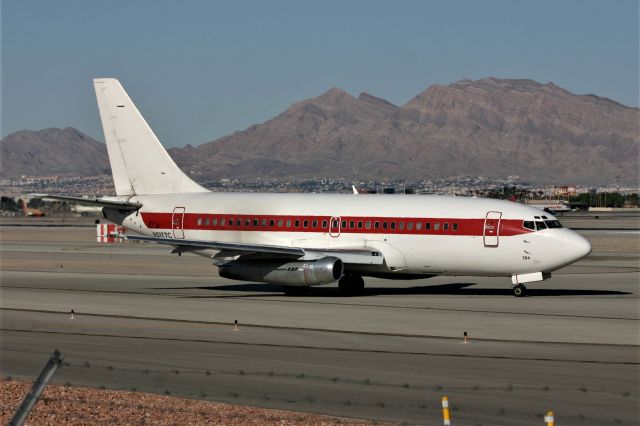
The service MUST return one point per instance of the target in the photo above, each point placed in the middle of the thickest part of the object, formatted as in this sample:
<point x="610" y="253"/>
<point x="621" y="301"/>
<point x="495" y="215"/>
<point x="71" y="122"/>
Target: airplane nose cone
<point x="574" y="246"/>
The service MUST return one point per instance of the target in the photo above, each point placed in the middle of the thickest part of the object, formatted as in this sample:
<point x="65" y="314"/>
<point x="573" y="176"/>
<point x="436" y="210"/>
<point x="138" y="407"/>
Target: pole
<point x="38" y="387"/>
<point x="446" y="417"/>
<point x="550" y="419"/>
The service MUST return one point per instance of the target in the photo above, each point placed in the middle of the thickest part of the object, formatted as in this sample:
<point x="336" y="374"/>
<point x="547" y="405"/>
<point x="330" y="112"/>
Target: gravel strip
<point x="74" y="405"/>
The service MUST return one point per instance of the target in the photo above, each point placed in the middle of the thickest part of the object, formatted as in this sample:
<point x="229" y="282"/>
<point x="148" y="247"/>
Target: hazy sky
<point x="199" y="70"/>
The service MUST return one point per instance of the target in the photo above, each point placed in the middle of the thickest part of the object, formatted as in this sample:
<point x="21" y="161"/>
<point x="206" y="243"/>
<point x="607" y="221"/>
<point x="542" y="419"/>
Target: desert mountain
<point x="490" y="127"/>
<point x="52" y="152"/>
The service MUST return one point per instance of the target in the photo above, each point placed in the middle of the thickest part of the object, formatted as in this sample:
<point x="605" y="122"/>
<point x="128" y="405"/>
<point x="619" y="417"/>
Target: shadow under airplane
<point x="454" y="289"/>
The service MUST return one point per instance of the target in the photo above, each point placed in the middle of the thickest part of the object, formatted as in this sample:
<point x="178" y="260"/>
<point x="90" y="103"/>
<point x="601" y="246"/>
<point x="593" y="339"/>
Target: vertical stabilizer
<point x="139" y="163"/>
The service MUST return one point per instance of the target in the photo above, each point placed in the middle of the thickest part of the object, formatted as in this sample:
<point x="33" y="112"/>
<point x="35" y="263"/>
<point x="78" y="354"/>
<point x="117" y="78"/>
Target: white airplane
<point x="302" y="240"/>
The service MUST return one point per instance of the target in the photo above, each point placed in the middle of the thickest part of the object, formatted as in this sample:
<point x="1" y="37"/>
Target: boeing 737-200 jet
<point x="302" y="240"/>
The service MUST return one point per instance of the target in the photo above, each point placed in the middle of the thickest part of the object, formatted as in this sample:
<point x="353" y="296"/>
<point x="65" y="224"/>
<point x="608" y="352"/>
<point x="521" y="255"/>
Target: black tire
<point x="519" y="290"/>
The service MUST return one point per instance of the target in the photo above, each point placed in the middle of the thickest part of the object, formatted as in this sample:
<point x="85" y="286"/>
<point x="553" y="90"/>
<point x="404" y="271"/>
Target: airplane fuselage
<point x="419" y="236"/>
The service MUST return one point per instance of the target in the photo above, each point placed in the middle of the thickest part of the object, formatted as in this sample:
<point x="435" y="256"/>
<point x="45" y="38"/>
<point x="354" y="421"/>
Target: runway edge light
<point x="446" y="416"/>
<point x="550" y="419"/>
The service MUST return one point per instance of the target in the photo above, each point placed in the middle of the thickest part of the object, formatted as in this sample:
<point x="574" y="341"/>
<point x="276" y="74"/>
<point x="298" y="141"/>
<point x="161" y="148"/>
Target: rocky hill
<point x="52" y="151"/>
<point x="490" y="127"/>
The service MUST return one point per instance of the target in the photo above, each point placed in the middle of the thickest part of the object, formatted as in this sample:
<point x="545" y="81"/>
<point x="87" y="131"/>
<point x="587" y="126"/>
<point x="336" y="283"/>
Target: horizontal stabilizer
<point x="118" y="203"/>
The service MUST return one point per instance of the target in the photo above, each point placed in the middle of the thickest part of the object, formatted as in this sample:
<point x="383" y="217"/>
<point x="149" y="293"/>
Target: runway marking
<point x="257" y="298"/>
<point x="429" y="308"/>
<point x="275" y="345"/>
<point x="325" y="330"/>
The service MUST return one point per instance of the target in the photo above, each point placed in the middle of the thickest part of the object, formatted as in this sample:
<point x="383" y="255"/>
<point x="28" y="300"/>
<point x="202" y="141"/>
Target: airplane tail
<point x="139" y="163"/>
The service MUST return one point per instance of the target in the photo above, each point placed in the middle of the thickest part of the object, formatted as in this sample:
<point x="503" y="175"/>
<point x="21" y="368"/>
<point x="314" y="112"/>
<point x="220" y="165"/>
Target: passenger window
<point x="344" y="224"/>
<point x="272" y="222"/>
<point x="445" y="226"/>
<point x="352" y="224"/>
<point x="215" y="221"/>
<point x="296" y="223"/>
<point x="247" y="222"/>
<point x="288" y="223"/>
<point x="384" y="225"/>
<point x="455" y="226"/>
<point x="410" y="226"/>
<point x="528" y="224"/>
<point x="279" y="223"/>
<point x="199" y="221"/>
<point x="222" y="222"/>
<point x="418" y="226"/>
<point x="376" y="225"/>
<point x="427" y="226"/>
<point x="367" y="224"/>
<point x="436" y="226"/>
<point x="305" y="223"/>
<point x="359" y="224"/>
<point x="264" y="222"/>
<point x="230" y="222"/>
<point x="393" y="225"/>
<point x="324" y="224"/>
<point x="255" y="222"/>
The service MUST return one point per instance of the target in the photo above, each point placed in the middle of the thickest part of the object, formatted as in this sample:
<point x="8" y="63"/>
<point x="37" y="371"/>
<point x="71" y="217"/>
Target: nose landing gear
<point x="519" y="290"/>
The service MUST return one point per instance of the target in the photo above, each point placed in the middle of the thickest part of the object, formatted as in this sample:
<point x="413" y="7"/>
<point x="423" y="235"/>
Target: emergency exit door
<point x="491" y="230"/>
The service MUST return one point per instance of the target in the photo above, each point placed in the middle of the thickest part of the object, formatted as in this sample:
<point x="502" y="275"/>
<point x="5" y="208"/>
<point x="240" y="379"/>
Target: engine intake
<point x="323" y="271"/>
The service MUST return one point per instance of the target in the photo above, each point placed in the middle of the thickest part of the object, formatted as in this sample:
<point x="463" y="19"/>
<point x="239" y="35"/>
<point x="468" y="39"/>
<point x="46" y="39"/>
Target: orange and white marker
<point x="446" y="416"/>
<point x="550" y="419"/>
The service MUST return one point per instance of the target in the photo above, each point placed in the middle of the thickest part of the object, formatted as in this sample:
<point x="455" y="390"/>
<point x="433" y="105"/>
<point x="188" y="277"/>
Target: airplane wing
<point x="356" y="255"/>
<point x="121" y="204"/>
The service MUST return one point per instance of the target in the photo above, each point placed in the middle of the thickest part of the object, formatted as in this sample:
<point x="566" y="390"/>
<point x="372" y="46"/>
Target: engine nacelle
<point x="323" y="271"/>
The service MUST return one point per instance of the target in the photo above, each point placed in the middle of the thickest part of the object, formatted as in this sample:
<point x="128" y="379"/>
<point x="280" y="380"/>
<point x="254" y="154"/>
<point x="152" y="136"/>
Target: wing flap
<point x="357" y="255"/>
<point x="219" y="245"/>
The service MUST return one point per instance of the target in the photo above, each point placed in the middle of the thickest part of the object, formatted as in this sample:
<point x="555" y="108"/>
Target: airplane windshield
<point x="528" y="224"/>
<point x="540" y="225"/>
<point x="553" y="224"/>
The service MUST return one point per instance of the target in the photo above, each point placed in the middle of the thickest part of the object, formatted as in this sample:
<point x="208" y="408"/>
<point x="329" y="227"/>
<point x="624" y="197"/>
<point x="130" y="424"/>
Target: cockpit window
<point x="540" y="225"/>
<point x="528" y="224"/>
<point x="553" y="224"/>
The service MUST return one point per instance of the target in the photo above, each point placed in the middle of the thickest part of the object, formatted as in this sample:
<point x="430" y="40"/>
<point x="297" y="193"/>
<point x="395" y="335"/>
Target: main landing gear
<point x="519" y="290"/>
<point x="351" y="285"/>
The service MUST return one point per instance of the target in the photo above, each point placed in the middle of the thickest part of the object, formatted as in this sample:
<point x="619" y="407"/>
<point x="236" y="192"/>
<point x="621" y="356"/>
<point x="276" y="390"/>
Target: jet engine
<point x="323" y="271"/>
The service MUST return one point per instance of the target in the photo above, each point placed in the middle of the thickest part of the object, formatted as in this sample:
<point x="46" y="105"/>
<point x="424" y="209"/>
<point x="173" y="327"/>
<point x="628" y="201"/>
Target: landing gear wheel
<point x="295" y="290"/>
<point x="519" y="290"/>
<point x="351" y="285"/>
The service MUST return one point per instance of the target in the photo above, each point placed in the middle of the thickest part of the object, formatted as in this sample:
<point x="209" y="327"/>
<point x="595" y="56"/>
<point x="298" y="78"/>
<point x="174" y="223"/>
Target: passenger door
<point x="491" y="229"/>
<point x="177" y="222"/>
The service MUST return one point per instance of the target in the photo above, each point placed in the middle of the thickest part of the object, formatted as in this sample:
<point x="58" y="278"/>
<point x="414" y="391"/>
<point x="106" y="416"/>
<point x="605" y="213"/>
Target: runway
<point x="156" y="322"/>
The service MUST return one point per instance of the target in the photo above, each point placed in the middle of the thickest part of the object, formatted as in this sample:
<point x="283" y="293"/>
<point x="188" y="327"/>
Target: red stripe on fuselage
<point x="278" y="223"/>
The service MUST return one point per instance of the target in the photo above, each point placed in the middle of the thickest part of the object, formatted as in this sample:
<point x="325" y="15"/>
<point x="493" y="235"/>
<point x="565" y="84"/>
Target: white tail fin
<point x="139" y="163"/>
